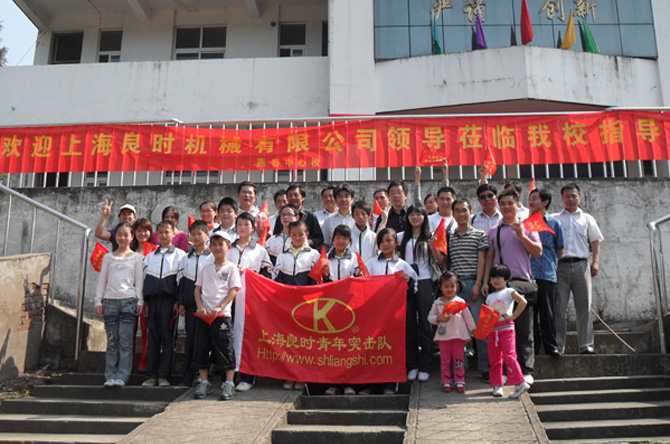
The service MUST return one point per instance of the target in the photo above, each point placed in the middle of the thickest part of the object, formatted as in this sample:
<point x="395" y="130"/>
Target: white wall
<point x="192" y="91"/>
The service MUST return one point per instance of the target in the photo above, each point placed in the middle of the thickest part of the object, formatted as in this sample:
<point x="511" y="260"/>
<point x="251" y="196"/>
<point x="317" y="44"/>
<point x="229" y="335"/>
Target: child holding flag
<point x="119" y="299"/>
<point x="501" y="341"/>
<point x="294" y="267"/>
<point x="215" y="289"/>
<point x="454" y="327"/>
<point x="363" y="238"/>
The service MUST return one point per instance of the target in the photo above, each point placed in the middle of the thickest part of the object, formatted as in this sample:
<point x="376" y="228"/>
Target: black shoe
<point x="587" y="352"/>
<point x="485" y="377"/>
<point x="555" y="353"/>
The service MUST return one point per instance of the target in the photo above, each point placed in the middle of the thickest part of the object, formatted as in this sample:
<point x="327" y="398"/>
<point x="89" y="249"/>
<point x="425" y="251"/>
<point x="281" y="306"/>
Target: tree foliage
<point x="3" y="51"/>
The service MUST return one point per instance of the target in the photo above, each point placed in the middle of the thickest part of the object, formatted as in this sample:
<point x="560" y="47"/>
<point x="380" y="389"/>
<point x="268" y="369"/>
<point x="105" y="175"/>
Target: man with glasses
<point x="397" y="192"/>
<point x="490" y="216"/>
<point x="296" y="196"/>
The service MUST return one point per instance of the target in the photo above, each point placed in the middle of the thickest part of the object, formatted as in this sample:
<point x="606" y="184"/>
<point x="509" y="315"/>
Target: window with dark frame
<point x="109" y="50"/>
<point x="207" y="42"/>
<point x="292" y="38"/>
<point x="66" y="47"/>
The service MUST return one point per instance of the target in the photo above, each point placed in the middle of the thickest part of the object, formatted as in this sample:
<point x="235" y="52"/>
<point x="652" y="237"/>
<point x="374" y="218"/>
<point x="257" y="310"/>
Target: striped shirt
<point x="464" y="249"/>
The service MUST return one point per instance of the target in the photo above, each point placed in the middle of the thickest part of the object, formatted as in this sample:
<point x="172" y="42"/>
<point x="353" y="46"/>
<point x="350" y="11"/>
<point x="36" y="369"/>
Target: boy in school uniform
<point x="363" y="238"/>
<point x="161" y="269"/>
<point x="227" y="214"/>
<point x="215" y="290"/>
<point x="190" y="268"/>
<point x="293" y="266"/>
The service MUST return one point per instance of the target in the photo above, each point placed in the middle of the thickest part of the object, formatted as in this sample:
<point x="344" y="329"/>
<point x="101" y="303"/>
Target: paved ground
<point x="435" y="417"/>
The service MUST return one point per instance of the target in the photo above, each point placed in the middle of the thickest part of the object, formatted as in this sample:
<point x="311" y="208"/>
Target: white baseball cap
<point x="128" y="207"/>
<point x="222" y="234"/>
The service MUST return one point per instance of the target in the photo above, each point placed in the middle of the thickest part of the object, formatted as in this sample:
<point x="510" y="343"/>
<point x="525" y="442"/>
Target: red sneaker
<point x="446" y="387"/>
<point x="460" y="387"/>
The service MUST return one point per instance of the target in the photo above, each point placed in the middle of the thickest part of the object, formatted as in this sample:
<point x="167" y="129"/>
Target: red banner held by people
<point x="604" y="136"/>
<point x="536" y="223"/>
<point x="347" y="331"/>
<point x="96" y="256"/>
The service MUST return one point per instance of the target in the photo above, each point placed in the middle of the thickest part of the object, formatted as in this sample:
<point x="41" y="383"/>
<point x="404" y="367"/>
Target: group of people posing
<point x="493" y="259"/>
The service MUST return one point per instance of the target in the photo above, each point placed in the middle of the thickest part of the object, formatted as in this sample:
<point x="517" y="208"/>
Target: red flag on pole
<point x="361" y="265"/>
<point x="316" y="272"/>
<point x="490" y="163"/>
<point x="191" y="219"/>
<point x="454" y="307"/>
<point x="96" y="256"/>
<point x="377" y="210"/>
<point x="488" y="318"/>
<point x="536" y="223"/>
<point x="264" y="235"/>
<point x="532" y="186"/>
<point x="526" y="25"/>
<point x="440" y="242"/>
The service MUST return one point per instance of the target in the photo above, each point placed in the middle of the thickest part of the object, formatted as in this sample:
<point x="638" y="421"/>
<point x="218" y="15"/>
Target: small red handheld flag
<point x="207" y="318"/>
<point x="316" y="272"/>
<point x="96" y="256"/>
<point x="149" y="247"/>
<point x="536" y="223"/>
<point x="532" y="186"/>
<point x="264" y="208"/>
<point x="454" y="307"/>
<point x="440" y="242"/>
<point x="264" y="235"/>
<point x="488" y="318"/>
<point x="361" y="265"/>
<point x="377" y="210"/>
<point x="490" y="163"/>
<point x="191" y="219"/>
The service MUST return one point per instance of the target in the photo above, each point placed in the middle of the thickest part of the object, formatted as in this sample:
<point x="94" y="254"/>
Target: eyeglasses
<point x="486" y="196"/>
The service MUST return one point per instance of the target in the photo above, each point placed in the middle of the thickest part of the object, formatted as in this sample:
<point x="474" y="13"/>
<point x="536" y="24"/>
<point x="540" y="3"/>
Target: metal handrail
<point x="86" y="231"/>
<point x="658" y="274"/>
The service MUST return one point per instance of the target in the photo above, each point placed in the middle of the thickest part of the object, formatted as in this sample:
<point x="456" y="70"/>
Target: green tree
<point x="3" y="51"/>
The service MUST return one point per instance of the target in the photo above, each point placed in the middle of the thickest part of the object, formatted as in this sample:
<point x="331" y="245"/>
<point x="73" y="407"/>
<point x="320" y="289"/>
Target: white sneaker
<point x="162" y="382"/>
<point x="109" y="383"/>
<point x="151" y="382"/>
<point x="497" y="391"/>
<point x="243" y="386"/>
<point x="423" y="376"/>
<point x="119" y="383"/>
<point x="529" y="379"/>
<point x="202" y="390"/>
<point x="520" y="390"/>
<point x="412" y="374"/>
<point x="288" y="385"/>
<point x="349" y="391"/>
<point x="504" y="379"/>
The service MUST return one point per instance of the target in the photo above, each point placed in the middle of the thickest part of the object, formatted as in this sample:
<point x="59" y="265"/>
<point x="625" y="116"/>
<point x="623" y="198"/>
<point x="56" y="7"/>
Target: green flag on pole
<point x="589" y="41"/>
<point x="437" y="48"/>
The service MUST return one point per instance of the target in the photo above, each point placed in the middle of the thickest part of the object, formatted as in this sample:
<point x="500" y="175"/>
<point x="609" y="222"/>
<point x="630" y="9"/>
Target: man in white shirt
<point x="445" y="198"/>
<point x="574" y="272"/>
<point x="344" y="196"/>
<point x="329" y="205"/>
<point x="490" y="216"/>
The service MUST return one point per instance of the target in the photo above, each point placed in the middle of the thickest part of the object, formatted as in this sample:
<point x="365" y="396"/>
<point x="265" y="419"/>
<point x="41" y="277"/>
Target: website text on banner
<point x="607" y="136"/>
<point x="348" y="331"/>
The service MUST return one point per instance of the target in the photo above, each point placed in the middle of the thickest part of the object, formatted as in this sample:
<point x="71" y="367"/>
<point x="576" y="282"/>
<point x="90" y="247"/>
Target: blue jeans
<point x="119" y="317"/>
<point x="475" y="307"/>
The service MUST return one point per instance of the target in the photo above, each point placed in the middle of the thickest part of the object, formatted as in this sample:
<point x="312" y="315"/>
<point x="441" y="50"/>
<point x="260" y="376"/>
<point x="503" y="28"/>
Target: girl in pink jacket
<point x="453" y="331"/>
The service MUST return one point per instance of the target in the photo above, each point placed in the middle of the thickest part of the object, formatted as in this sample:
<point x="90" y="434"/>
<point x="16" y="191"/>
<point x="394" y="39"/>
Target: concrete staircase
<point x="371" y="419"/>
<point x="613" y="396"/>
<point x="75" y="408"/>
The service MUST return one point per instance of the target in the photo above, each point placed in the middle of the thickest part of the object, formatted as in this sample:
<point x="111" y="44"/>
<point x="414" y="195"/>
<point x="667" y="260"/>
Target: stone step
<point x="99" y="379"/>
<point x="599" y="411"/>
<point x="82" y="407"/>
<point x="94" y="362"/>
<point x="348" y="417"/>
<point x="610" y="430"/>
<point x="68" y="424"/>
<point x="602" y="396"/>
<point x="127" y="393"/>
<point x="58" y="438"/>
<point x="583" y="366"/>
<point x="318" y="434"/>
<point x="360" y="402"/>
<point x="606" y="343"/>
<point x="602" y="383"/>
<point x="628" y="440"/>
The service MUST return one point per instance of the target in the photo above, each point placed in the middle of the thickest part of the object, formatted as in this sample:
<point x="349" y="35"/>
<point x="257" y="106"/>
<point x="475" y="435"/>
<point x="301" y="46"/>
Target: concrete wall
<point x="622" y="291"/>
<point x="25" y="280"/>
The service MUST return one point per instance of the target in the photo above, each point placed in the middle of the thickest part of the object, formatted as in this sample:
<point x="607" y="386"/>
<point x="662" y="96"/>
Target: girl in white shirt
<point x="119" y="299"/>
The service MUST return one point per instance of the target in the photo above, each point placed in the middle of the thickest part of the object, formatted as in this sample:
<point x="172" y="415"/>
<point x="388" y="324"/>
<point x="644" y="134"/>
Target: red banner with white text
<point x="348" y="331"/>
<point x="606" y="136"/>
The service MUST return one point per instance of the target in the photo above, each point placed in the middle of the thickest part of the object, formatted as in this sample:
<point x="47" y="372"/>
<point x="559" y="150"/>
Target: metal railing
<point x="86" y="231"/>
<point x="658" y="274"/>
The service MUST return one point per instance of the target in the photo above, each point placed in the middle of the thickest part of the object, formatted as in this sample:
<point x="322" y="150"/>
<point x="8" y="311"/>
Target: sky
<point x="18" y="34"/>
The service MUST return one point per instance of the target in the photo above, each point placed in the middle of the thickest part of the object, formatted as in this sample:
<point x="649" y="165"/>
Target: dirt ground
<point x="21" y="386"/>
